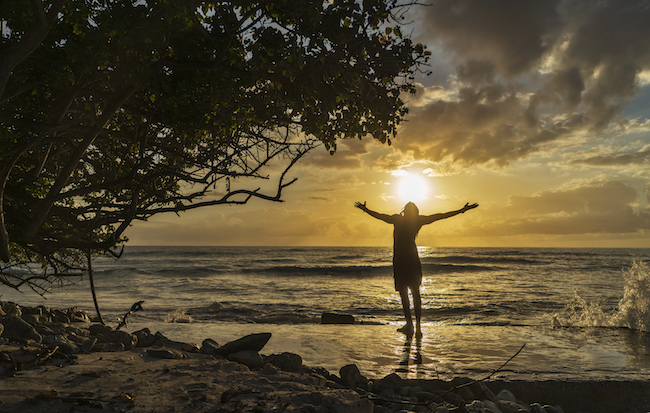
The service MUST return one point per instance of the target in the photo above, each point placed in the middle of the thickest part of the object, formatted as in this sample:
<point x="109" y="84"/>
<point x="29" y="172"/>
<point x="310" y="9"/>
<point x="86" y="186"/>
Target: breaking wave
<point x="633" y="310"/>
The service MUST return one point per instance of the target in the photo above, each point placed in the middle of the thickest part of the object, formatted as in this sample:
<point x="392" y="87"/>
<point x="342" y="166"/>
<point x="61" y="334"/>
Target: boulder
<point x="11" y="309"/>
<point x="253" y="342"/>
<point x="145" y="338"/>
<point x="390" y="382"/>
<point x="537" y="408"/>
<point x="16" y="327"/>
<point x="128" y="341"/>
<point x="332" y="318"/>
<point x="210" y="347"/>
<point x="65" y="345"/>
<point x="87" y="346"/>
<point x="250" y="358"/>
<point x="505" y="395"/>
<point x="99" y="329"/>
<point x="491" y="407"/>
<point x="285" y="361"/>
<point x="351" y="376"/>
<point x="77" y="316"/>
<point x="507" y="406"/>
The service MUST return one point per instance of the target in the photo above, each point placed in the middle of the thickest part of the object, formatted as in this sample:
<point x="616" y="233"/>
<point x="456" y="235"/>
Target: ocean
<point x="578" y="313"/>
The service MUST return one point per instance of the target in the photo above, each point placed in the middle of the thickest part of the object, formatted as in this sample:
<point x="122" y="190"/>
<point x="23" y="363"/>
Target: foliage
<point x="112" y="111"/>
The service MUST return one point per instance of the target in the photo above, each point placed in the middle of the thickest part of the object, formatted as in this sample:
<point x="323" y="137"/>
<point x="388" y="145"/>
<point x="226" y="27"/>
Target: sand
<point x="136" y="382"/>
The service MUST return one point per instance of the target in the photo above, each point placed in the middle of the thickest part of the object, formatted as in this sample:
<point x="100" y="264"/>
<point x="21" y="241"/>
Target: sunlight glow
<point x="412" y="188"/>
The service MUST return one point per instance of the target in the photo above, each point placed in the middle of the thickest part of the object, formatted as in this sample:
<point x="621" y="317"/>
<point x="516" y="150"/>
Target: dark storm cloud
<point x="528" y="73"/>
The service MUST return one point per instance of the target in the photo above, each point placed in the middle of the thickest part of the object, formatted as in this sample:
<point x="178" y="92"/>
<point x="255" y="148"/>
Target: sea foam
<point x="633" y="310"/>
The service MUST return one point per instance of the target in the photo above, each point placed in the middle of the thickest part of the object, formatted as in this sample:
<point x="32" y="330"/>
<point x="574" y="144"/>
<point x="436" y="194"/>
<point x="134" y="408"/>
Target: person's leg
<point x="417" y="306"/>
<point x="406" y="305"/>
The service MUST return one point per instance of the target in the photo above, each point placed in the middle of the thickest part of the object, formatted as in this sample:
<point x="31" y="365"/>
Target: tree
<point x="112" y="111"/>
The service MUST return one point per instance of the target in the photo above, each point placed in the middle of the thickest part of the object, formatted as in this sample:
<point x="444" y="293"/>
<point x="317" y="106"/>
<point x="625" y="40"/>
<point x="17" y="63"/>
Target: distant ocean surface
<point x="582" y="313"/>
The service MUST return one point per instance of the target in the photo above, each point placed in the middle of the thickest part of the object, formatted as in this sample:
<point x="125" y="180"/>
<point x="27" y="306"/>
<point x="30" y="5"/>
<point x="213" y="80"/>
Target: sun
<point x="412" y="188"/>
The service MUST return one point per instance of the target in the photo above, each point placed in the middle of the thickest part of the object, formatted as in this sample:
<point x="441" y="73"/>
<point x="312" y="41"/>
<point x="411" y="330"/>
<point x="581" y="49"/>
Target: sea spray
<point x="633" y="309"/>
<point x="178" y="316"/>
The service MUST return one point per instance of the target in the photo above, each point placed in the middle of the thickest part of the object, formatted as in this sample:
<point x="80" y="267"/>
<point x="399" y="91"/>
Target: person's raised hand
<point x="360" y="205"/>
<point x="467" y="207"/>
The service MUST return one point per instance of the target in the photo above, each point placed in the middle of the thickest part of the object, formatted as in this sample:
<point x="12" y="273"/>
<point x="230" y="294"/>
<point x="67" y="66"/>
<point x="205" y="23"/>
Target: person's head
<point x="410" y="210"/>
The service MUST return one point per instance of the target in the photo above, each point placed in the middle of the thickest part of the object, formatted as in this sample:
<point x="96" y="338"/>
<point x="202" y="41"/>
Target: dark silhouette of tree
<point x="113" y="111"/>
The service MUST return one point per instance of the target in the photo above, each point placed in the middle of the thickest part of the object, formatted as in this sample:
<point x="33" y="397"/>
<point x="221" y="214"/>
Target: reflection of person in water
<point x="407" y="269"/>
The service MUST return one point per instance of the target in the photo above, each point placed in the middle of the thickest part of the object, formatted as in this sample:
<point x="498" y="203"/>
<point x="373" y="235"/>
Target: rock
<point x="537" y="408"/>
<point x="87" y="346"/>
<point x="60" y="316"/>
<point x="81" y="332"/>
<point x="2" y="328"/>
<point x="65" y="345"/>
<point x="99" y="329"/>
<point x="165" y="353"/>
<point x="332" y="318"/>
<point x="109" y="347"/>
<point x="145" y="338"/>
<point x="285" y="361"/>
<point x="189" y="347"/>
<point x="475" y="407"/>
<point x="454" y="398"/>
<point x="552" y="409"/>
<point x="11" y="309"/>
<point x="352" y="377"/>
<point x="209" y="347"/>
<point x="326" y="402"/>
<point x="249" y="358"/>
<point x="390" y="382"/>
<point x="505" y="395"/>
<point x="425" y="396"/>
<point x="482" y="391"/>
<point x="78" y="316"/>
<point x="254" y="342"/>
<point x="508" y="406"/>
<point x="44" y="330"/>
<point x="15" y="326"/>
<point x="128" y="341"/>
<point x="491" y="407"/>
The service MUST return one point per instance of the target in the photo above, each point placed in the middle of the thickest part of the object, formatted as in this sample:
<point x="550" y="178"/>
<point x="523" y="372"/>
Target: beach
<point x="586" y="345"/>
<point x="49" y="365"/>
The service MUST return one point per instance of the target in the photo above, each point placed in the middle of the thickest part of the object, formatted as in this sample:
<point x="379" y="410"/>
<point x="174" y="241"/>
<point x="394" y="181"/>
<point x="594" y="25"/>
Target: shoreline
<point x="159" y="374"/>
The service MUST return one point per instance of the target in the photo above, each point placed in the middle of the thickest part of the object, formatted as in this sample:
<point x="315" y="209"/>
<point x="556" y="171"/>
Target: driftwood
<point x="135" y="307"/>
<point x="460" y="409"/>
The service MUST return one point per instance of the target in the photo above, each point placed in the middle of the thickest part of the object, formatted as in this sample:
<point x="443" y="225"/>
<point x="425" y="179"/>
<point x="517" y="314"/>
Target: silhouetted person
<point x="407" y="269"/>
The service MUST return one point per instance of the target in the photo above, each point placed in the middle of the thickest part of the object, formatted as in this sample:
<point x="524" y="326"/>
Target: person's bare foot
<point x="407" y="329"/>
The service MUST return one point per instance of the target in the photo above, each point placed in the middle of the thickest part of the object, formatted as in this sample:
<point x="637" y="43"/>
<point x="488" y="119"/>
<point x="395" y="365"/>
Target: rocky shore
<point x="59" y="360"/>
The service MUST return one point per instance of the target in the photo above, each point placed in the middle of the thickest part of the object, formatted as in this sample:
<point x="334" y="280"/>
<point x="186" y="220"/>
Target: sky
<point x="537" y="111"/>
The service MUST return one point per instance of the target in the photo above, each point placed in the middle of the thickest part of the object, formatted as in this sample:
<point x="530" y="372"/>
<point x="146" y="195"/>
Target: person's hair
<point x="414" y="212"/>
<point x="411" y="206"/>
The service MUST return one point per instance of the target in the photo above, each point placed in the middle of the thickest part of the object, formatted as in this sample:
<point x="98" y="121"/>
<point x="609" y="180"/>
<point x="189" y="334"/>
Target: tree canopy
<point x="112" y="111"/>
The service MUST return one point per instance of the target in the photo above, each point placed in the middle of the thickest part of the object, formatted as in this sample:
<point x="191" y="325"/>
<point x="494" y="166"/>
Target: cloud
<point x="528" y="75"/>
<point x="511" y="35"/>
<point x="273" y="226"/>
<point x="641" y="157"/>
<point x="587" y="208"/>
<point x="348" y="154"/>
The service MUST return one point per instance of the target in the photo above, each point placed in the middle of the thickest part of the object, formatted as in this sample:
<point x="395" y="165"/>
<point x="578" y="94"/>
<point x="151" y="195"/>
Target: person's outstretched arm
<point x="383" y="217"/>
<point x="427" y="219"/>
